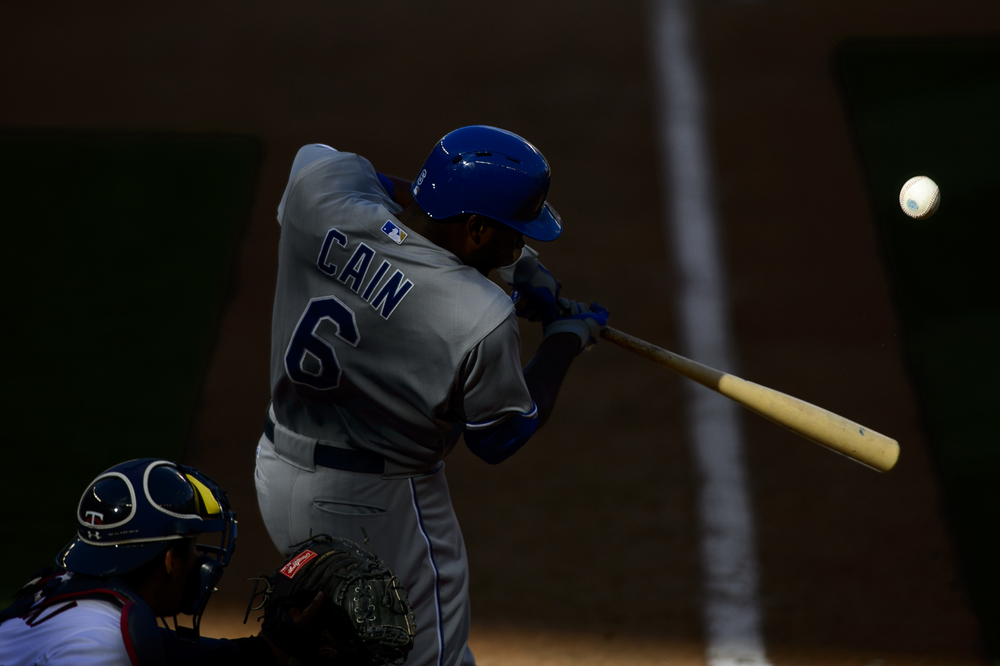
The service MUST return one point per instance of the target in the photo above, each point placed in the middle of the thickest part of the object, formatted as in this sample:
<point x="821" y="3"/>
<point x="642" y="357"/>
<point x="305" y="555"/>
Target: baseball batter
<point x="389" y="342"/>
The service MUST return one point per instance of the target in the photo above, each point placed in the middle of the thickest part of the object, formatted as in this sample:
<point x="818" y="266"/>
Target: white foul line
<point x="732" y="611"/>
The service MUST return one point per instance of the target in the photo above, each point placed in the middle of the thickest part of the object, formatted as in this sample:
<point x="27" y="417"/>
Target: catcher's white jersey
<point x="382" y="340"/>
<point x="74" y="633"/>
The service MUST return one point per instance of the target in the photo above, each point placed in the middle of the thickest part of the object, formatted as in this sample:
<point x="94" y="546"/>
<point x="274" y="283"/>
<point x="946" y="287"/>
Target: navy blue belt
<point x="329" y="456"/>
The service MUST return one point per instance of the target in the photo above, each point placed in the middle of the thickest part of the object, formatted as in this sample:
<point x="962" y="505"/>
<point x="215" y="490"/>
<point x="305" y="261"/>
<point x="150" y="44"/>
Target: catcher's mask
<point x="490" y="172"/>
<point x="132" y="511"/>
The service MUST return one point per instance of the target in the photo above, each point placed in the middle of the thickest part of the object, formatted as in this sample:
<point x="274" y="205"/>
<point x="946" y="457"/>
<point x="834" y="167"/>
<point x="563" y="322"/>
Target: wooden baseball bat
<point x="814" y="423"/>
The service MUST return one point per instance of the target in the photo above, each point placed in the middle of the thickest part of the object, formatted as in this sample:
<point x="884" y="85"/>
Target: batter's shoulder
<point x="470" y="305"/>
<point x="339" y="175"/>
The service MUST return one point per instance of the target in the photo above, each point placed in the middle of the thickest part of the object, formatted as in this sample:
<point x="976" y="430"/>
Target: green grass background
<point x="118" y="250"/>
<point x="933" y="108"/>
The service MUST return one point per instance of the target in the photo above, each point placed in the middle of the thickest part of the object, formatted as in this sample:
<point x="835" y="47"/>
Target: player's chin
<point x="484" y="262"/>
<point x="511" y="252"/>
<point x="486" y="267"/>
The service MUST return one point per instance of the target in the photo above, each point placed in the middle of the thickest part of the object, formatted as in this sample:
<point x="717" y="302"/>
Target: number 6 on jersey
<point x="310" y="358"/>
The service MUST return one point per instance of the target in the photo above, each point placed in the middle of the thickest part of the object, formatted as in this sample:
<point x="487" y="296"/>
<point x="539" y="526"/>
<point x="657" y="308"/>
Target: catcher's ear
<point x="171" y="562"/>
<point x="177" y="558"/>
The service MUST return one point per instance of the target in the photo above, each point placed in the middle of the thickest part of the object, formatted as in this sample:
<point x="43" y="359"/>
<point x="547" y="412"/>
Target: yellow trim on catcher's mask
<point x="208" y="500"/>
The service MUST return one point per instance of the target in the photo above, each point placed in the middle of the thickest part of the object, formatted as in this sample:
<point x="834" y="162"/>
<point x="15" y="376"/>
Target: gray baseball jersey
<point x="382" y="340"/>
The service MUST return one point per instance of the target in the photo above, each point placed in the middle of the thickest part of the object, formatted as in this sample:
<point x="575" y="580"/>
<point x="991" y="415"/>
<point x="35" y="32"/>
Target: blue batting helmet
<point x="131" y="511"/>
<point x="490" y="172"/>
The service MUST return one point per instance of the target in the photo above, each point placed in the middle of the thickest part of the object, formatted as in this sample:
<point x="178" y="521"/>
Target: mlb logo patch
<point x="393" y="232"/>
<point x="297" y="563"/>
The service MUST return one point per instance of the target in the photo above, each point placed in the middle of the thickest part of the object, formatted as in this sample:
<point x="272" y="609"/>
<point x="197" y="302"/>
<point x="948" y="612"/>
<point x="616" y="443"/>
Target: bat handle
<point x="699" y="372"/>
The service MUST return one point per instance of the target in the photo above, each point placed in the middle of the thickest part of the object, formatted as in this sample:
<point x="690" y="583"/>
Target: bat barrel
<point x="814" y="423"/>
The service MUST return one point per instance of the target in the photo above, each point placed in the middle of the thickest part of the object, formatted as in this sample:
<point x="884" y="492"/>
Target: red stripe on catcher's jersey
<point x="88" y="593"/>
<point x="31" y="619"/>
<point x="132" y="656"/>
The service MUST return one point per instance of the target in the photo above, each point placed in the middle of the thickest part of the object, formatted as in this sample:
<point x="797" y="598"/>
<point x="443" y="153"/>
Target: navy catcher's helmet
<point x="490" y="172"/>
<point x="130" y="512"/>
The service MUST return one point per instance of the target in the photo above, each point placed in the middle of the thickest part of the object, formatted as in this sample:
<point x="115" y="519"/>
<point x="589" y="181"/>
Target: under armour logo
<point x="93" y="534"/>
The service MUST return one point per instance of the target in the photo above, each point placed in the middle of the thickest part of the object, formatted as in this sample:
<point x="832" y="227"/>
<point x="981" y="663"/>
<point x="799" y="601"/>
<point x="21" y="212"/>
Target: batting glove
<point x="535" y="288"/>
<point x="585" y="321"/>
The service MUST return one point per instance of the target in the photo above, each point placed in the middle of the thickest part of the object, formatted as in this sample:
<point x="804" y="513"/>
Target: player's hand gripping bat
<point x="814" y="423"/>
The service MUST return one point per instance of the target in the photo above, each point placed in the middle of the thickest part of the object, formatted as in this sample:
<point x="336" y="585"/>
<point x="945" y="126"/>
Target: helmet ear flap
<point x="200" y="585"/>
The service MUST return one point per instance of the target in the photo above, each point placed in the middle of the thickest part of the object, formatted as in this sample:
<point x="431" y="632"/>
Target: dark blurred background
<point x="143" y="150"/>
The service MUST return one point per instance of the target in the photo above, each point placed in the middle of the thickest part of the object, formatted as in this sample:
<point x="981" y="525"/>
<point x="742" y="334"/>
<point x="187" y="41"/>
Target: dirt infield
<point x="583" y="547"/>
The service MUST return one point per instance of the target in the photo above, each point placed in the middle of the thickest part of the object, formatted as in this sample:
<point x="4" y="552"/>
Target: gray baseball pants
<point x="410" y="522"/>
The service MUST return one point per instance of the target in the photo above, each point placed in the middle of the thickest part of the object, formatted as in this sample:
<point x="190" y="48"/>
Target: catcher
<point x="138" y="555"/>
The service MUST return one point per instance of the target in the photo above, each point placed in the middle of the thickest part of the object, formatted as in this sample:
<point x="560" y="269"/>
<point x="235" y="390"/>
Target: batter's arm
<point x="545" y="372"/>
<point x="402" y="190"/>
<point x="543" y="377"/>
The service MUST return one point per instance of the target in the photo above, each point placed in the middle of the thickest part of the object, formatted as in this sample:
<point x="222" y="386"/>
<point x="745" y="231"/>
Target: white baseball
<point x="919" y="197"/>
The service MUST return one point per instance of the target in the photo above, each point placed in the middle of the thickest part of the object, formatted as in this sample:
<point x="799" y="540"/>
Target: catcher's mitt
<point x="365" y="617"/>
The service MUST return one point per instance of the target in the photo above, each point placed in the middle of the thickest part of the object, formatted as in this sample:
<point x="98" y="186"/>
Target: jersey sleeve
<point x="86" y="632"/>
<point x="96" y="647"/>
<point x="492" y="380"/>
<point x="306" y="156"/>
